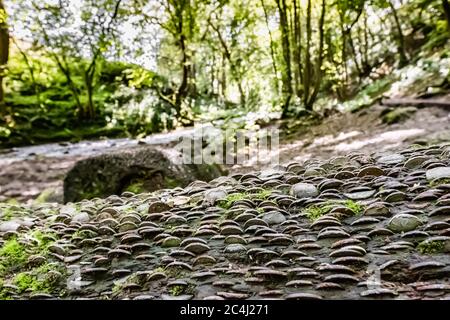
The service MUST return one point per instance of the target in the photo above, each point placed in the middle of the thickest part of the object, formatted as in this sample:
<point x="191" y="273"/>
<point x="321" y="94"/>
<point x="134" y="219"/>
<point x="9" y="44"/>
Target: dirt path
<point x="363" y="132"/>
<point x="27" y="172"/>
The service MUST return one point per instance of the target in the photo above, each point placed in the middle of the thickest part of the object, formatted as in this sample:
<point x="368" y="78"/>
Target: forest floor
<point x="27" y="172"/>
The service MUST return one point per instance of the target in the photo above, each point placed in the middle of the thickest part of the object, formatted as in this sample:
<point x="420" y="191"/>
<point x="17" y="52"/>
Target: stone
<point x="273" y="218"/>
<point x="81" y="217"/>
<point x="304" y="190"/>
<point x="403" y="222"/>
<point x="147" y="167"/>
<point x="302" y="296"/>
<point x="234" y="248"/>
<point x="415" y="162"/>
<point x="197" y="248"/>
<point x="377" y="209"/>
<point x="158" y="207"/>
<point x="360" y="195"/>
<point x="214" y="195"/>
<point x="171" y="242"/>
<point x="438" y="173"/>
<point x="391" y="159"/>
<point x="371" y="171"/>
<point x="9" y="226"/>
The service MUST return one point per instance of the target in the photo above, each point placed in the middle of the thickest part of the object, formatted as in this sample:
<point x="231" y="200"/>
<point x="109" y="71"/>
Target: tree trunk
<point x="37" y="91"/>
<point x="4" y="54"/>
<point x="272" y="49"/>
<point x="297" y="50"/>
<point x="182" y="89"/>
<point x="319" y="62"/>
<point x="446" y="7"/>
<point x="89" y="111"/>
<point x="234" y="72"/>
<point x="286" y="74"/>
<point x="308" y="69"/>
<point x="401" y="39"/>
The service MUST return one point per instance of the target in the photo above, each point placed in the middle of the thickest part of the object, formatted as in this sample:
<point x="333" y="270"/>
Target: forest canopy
<point x="82" y="68"/>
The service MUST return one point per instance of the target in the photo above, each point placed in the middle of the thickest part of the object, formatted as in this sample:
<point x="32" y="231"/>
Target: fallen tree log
<point x="416" y="102"/>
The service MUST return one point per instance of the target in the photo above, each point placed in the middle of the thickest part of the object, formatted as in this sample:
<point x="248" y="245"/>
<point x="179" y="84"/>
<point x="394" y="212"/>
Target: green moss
<point x="12" y="255"/>
<point x="431" y="247"/>
<point x="83" y="234"/>
<point x="262" y="195"/>
<point x="231" y="199"/>
<point x="398" y="115"/>
<point x="171" y="182"/>
<point x="42" y="279"/>
<point x="116" y="289"/>
<point x="356" y="207"/>
<point x="176" y="290"/>
<point x="4" y="294"/>
<point x="25" y="281"/>
<point x="44" y="195"/>
<point x="10" y="209"/>
<point x="315" y="212"/>
<point x="44" y="241"/>
<point x="136" y="187"/>
<point x="438" y="182"/>
<point x="234" y="197"/>
<point x="159" y="269"/>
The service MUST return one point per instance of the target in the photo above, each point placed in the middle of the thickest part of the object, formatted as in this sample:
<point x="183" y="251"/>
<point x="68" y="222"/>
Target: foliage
<point x="176" y="290"/>
<point x="42" y="279"/>
<point x="356" y="207"/>
<point x="234" y="197"/>
<point x="431" y="247"/>
<point x="82" y="69"/>
<point x="12" y="255"/>
<point x="314" y="212"/>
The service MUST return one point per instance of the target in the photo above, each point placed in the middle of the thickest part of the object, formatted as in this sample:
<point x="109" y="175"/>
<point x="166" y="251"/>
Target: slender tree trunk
<point x="286" y="74"/>
<point x="182" y="89"/>
<point x="319" y="62"/>
<point x="89" y="111"/>
<point x="4" y="54"/>
<point x="446" y="7"/>
<point x="401" y="39"/>
<point x="37" y="92"/>
<point x="233" y="68"/>
<point x="354" y="53"/>
<point x="213" y="71"/>
<point x="223" y="82"/>
<point x="272" y="49"/>
<point x="308" y="70"/>
<point x="297" y="50"/>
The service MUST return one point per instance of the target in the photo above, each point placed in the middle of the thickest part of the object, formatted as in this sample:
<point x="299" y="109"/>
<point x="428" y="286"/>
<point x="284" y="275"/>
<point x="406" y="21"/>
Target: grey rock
<point x="9" y="226"/>
<point x="360" y="195"/>
<point x="81" y="217"/>
<point x="403" y="222"/>
<point x="234" y="248"/>
<point x="304" y="190"/>
<point x="394" y="158"/>
<point x="113" y="172"/>
<point x="438" y="173"/>
<point x="274" y="218"/>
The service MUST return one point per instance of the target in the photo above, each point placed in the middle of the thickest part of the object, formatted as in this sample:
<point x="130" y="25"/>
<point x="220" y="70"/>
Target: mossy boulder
<point x="396" y="115"/>
<point x="140" y="169"/>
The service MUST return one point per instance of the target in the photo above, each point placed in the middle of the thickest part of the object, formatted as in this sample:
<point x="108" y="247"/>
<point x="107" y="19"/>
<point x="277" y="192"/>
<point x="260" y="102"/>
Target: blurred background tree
<point x="86" y="68"/>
